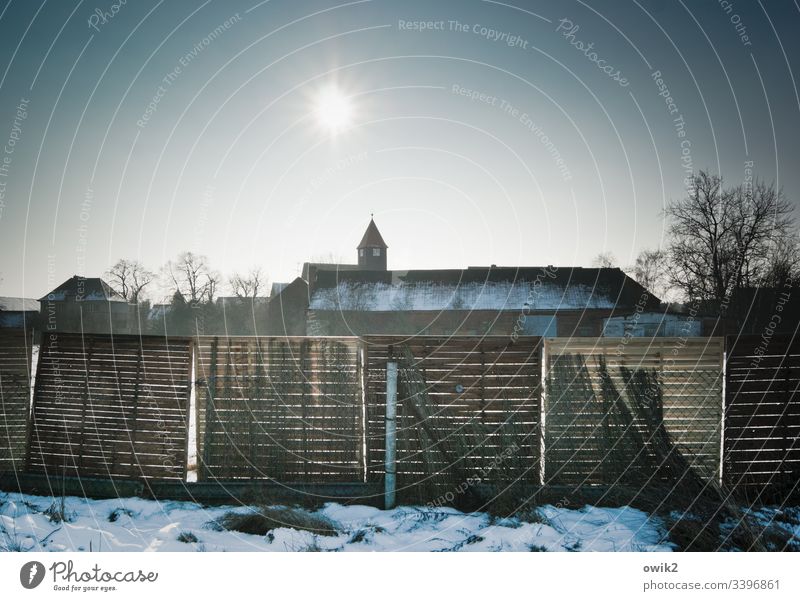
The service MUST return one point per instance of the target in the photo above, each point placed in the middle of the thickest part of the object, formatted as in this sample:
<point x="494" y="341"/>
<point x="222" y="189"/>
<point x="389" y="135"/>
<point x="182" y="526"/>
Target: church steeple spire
<point x="372" y="249"/>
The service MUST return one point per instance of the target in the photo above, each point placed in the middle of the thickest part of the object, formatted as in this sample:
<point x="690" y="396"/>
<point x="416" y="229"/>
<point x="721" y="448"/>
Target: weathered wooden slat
<point x="588" y="440"/>
<point x="15" y="377"/>
<point x="762" y="418"/>
<point x="484" y="399"/>
<point x="111" y="405"/>
<point x="282" y="408"/>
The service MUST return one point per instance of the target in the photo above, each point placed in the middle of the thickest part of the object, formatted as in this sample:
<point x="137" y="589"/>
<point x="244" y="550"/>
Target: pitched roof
<point x="79" y="288"/>
<point x="18" y="304"/>
<point x="479" y="288"/>
<point x="310" y="269"/>
<point x="277" y="288"/>
<point x="372" y="237"/>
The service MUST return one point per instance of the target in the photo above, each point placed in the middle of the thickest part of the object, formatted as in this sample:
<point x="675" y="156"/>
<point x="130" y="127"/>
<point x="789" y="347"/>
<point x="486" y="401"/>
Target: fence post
<point x="390" y="464"/>
<point x="543" y="366"/>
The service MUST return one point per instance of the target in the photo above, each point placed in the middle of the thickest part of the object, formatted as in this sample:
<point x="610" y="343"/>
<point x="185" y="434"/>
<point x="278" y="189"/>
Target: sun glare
<point x="334" y="110"/>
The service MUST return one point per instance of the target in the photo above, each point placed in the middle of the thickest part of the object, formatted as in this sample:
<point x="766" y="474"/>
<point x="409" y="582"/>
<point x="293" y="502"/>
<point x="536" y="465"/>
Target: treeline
<point x="721" y="239"/>
<point x="190" y="303"/>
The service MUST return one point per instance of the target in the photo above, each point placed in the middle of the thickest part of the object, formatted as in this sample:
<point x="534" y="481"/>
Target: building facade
<point x="370" y="299"/>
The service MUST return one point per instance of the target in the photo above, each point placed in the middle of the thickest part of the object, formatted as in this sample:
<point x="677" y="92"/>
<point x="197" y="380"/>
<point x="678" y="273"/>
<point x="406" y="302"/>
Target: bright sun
<point x="334" y="110"/>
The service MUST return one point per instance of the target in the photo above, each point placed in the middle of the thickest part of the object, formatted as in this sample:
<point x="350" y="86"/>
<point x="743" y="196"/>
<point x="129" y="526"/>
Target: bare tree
<point x="213" y="279"/>
<point x="130" y="278"/>
<point x="604" y="259"/>
<point x="652" y="272"/>
<point x="249" y="285"/>
<point x="784" y="264"/>
<point x="723" y="239"/>
<point x="328" y="258"/>
<point x="191" y="277"/>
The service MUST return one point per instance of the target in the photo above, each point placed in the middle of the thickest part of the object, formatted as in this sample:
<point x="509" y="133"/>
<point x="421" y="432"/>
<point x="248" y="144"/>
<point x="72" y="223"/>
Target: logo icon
<point x="31" y="574"/>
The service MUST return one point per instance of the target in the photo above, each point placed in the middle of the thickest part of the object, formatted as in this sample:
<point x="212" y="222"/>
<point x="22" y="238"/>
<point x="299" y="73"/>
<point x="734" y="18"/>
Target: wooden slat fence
<point x="762" y="413"/>
<point x="15" y="376"/>
<point x="114" y="407"/>
<point x="288" y="409"/>
<point x="467" y="409"/>
<point x="607" y="398"/>
<point x="302" y="409"/>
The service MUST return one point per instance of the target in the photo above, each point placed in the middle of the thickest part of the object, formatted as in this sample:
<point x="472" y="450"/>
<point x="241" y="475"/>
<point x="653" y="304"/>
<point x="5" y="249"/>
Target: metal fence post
<point x="390" y="464"/>
<point x="543" y="411"/>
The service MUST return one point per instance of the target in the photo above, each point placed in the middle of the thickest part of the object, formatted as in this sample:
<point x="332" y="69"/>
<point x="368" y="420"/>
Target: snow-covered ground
<point x="784" y="519"/>
<point x="134" y="524"/>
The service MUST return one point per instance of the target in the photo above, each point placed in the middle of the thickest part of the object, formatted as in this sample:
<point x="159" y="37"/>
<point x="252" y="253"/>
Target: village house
<point x="86" y="305"/>
<point x="18" y="313"/>
<point x="368" y="298"/>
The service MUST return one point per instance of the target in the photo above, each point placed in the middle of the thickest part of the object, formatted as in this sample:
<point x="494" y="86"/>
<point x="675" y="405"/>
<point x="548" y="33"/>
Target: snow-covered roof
<point x="80" y="289"/>
<point x="18" y="304"/>
<point x="497" y="289"/>
<point x="431" y="296"/>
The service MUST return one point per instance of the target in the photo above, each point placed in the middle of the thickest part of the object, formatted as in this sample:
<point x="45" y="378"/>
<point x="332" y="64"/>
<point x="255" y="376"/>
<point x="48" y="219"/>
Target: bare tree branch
<point x="130" y="278"/>
<point x="248" y="286"/>
<point x="191" y="277"/>
<point x="728" y="238"/>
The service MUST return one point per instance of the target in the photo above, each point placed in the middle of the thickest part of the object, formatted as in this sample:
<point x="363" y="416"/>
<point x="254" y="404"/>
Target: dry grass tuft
<point x="187" y="537"/>
<point x="264" y="519"/>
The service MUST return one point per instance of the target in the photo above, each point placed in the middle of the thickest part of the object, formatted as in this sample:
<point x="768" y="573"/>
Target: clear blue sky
<point x="169" y="126"/>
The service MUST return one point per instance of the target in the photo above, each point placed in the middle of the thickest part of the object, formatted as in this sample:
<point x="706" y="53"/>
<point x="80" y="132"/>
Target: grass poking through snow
<point x="265" y="519"/>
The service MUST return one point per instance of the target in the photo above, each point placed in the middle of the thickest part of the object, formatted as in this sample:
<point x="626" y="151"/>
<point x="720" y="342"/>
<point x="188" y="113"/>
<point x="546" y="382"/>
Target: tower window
<point x="360" y="252"/>
<point x="376" y="252"/>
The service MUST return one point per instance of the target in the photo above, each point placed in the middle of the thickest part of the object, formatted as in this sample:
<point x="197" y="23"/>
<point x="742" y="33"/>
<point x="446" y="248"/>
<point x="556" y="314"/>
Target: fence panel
<point x="312" y="409"/>
<point x="15" y="376"/>
<point x="288" y="409"/>
<point x="467" y="408"/>
<point x="614" y="407"/>
<point x="762" y="416"/>
<point x="111" y="406"/>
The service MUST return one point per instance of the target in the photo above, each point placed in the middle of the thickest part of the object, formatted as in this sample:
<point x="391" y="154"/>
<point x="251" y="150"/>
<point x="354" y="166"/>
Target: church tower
<point x="372" y="250"/>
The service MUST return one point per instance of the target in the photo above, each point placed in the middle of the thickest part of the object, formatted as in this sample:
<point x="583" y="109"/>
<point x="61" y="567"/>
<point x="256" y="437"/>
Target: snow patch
<point x="467" y="296"/>
<point x="133" y="524"/>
